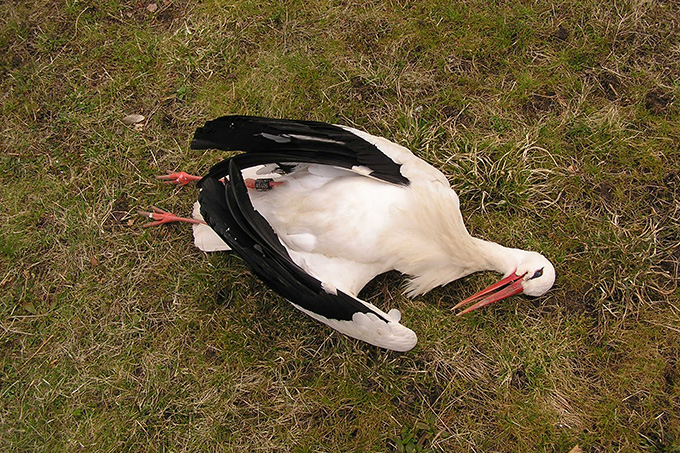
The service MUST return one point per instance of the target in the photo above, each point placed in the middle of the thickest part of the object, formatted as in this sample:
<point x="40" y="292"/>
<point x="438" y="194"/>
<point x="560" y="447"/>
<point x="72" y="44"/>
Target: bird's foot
<point x="181" y="178"/>
<point x="160" y="217"/>
<point x="262" y="185"/>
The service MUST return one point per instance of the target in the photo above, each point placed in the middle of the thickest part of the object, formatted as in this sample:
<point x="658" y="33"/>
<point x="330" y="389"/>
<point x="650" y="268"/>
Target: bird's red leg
<point x="160" y="217"/>
<point x="180" y="178"/>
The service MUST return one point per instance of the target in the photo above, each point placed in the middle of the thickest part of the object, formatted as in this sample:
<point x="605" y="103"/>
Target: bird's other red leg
<point x="180" y="178"/>
<point x="160" y="217"/>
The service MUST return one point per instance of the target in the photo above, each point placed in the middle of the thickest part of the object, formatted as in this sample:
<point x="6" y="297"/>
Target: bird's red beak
<point x="508" y="286"/>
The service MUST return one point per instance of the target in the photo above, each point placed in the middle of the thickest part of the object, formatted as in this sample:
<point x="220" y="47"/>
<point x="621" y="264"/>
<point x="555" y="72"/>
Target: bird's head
<point x="538" y="274"/>
<point x="534" y="275"/>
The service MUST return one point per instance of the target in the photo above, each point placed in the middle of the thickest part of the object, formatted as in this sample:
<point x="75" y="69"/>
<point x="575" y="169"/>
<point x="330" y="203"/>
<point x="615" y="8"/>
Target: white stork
<point x="318" y="210"/>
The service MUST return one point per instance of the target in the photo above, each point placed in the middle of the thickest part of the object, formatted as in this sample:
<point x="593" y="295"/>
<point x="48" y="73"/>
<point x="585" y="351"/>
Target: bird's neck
<point x="495" y="257"/>
<point x="437" y="249"/>
<point x="471" y="255"/>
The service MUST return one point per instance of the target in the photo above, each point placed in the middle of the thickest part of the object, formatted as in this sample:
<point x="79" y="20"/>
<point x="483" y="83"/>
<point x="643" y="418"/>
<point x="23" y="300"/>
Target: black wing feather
<point x="267" y="140"/>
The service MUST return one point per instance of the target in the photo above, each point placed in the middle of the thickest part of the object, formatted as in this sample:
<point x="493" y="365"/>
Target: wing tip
<point x="198" y="143"/>
<point x="370" y="328"/>
<point x="373" y="330"/>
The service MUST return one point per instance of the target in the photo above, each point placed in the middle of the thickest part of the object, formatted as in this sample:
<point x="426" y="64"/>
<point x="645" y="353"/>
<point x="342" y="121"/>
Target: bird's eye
<point x="537" y="274"/>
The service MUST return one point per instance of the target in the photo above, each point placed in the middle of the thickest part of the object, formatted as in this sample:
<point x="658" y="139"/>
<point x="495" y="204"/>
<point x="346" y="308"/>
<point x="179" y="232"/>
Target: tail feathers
<point x="205" y="238"/>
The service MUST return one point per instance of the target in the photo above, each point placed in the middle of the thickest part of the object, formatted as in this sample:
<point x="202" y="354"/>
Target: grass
<point x="558" y="124"/>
